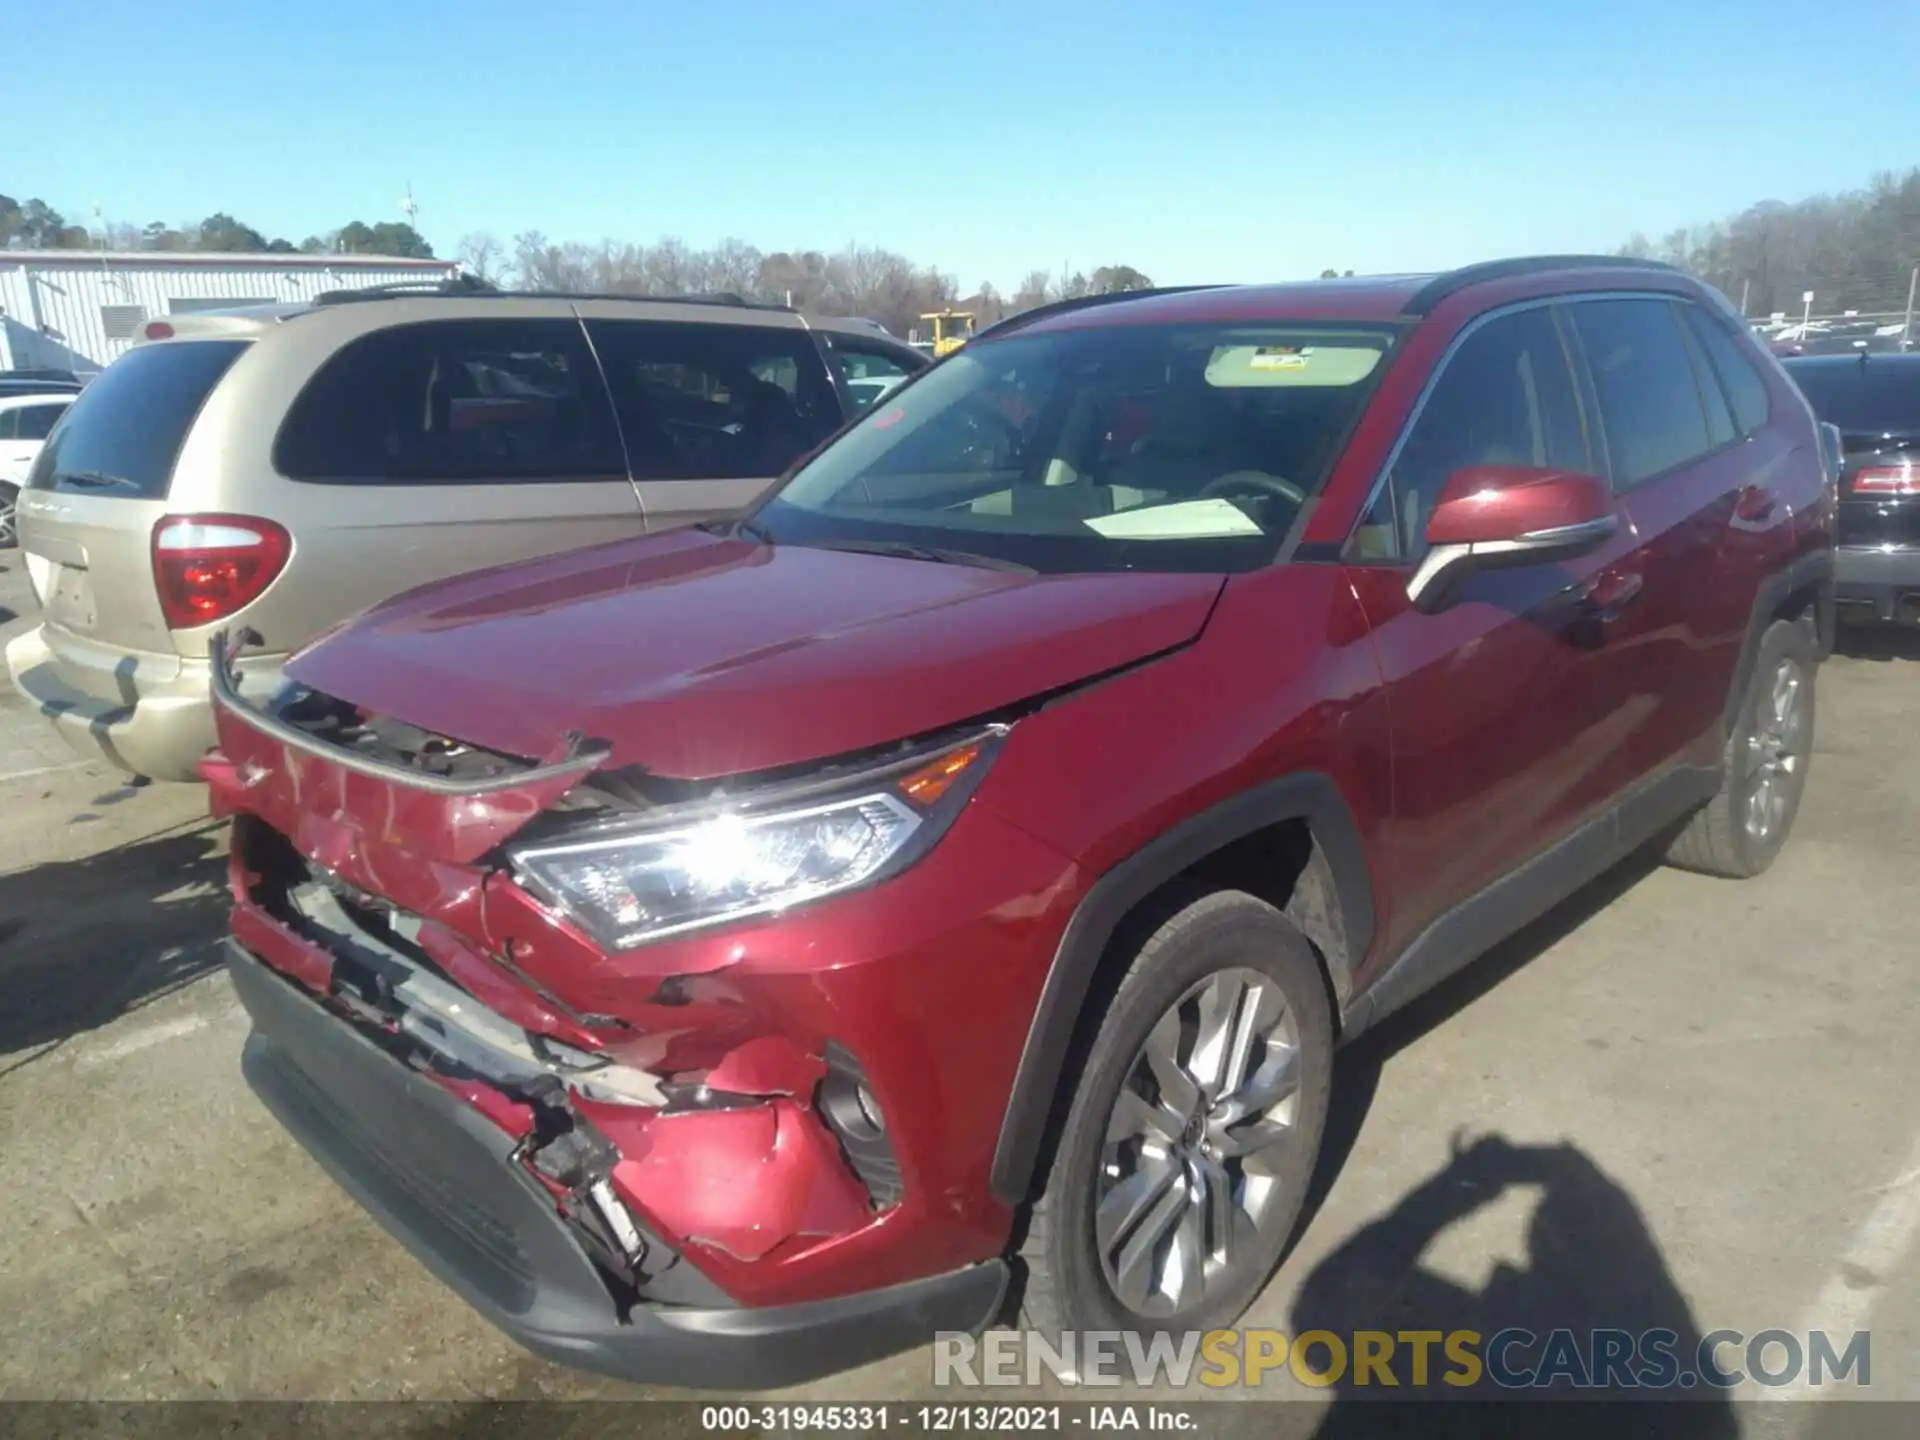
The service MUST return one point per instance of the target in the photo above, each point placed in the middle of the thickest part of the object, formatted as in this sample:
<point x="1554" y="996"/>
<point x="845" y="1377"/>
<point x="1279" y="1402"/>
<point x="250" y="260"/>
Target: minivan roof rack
<point x="1084" y="302"/>
<point x="711" y="297"/>
<point x="1453" y="281"/>
<point x="470" y="287"/>
<point x="396" y="289"/>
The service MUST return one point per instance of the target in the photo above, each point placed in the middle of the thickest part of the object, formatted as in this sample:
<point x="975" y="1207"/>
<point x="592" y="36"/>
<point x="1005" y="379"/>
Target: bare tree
<point x="481" y="253"/>
<point x="1034" y="290"/>
<point x="1855" y="250"/>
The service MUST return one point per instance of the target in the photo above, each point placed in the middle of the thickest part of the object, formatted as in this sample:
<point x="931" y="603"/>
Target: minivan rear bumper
<point x="443" y="1180"/>
<point x="156" y="728"/>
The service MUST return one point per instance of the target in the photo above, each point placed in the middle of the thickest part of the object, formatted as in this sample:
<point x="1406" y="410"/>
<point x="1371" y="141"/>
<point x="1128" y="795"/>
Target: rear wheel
<point x="9" y="511"/>
<point x="1738" y="833"/>
<point x="1191" y="1138"/>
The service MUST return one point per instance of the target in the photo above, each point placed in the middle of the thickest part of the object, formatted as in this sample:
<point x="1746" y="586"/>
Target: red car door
<point x="1502" y="726"/>
<point x="1700" y="500"/>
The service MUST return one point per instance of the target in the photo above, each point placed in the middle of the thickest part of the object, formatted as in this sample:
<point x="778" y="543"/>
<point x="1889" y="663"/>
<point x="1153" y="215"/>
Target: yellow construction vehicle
<point x="947" y="330"/>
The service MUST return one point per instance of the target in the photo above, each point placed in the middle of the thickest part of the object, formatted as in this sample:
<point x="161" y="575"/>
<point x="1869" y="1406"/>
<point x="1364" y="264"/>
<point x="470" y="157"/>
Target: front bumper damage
<point x="449" y="1184"/>
<point x="632" y="1163"/>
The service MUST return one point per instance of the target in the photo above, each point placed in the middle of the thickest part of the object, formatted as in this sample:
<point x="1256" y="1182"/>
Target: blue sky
<point x="1201" y="141"/>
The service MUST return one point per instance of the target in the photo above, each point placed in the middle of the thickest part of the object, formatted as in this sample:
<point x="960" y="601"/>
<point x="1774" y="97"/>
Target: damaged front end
<point x="703" y="1144"/>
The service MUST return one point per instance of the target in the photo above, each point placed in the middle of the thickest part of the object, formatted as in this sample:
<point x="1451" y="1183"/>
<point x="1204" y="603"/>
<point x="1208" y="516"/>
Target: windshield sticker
<point x="1278" y="357"/>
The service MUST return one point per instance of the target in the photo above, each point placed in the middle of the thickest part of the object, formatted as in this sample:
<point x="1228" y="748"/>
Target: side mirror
<point x="1497" y="515"/>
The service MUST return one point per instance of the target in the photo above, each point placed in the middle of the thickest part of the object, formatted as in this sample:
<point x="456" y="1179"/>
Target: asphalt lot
<point x="1721" y="1075"/>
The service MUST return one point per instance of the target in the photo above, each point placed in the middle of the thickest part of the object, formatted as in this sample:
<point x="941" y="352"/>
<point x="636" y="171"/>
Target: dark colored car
<point x="736" y="954"/>
<point x="38" y="382"/>
<point x="1874" y="402"/>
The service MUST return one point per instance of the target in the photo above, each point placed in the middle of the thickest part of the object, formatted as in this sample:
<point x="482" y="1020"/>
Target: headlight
<point x="631" y="886"/>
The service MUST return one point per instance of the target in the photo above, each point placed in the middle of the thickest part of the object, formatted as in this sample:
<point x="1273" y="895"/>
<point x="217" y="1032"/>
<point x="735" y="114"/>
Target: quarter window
<point x="1745" y="389"/>
<point x="1713" y="396"/>
<point x="454" y="400"/>
<point x="1649" y="401"/>
<point x="1505" y="397"/>
<point x="715" y="402"/>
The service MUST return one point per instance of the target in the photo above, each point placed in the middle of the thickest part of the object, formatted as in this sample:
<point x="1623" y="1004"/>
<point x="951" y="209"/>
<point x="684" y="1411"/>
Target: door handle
<point x="1608" y="596"/>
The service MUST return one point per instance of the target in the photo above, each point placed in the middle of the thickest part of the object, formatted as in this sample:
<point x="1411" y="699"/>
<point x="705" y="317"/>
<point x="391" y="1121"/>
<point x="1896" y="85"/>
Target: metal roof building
<point x="79" y="309"/>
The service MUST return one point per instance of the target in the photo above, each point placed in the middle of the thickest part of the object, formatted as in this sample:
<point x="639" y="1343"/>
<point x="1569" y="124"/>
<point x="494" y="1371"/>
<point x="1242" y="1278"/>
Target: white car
<point x="25" y="423"/>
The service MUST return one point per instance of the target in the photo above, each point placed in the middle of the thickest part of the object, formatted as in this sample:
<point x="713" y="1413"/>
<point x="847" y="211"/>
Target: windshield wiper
<point x="908" y="550"/>
<point x="93" y="480"/>
<point x="733" y="528"/>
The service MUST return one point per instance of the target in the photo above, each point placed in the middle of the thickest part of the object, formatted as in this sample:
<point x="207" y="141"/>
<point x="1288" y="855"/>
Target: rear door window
<point x="1650" y="403"/>
<point x="454" y="400"/>
<point x="714" y="402"/>
<point x="124" y="431"/>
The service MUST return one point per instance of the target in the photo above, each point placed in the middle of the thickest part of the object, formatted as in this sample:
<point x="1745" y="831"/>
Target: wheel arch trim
<point x="1812" y="569"/>
<point x="1311" y="797"/>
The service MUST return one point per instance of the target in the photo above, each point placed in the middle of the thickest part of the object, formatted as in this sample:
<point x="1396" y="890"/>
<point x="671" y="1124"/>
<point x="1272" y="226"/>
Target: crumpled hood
<point x="697" y="657"/>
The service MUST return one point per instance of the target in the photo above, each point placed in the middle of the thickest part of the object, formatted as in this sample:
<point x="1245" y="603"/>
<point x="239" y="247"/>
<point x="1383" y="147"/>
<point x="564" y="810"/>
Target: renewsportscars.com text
<point x="1510" y="1359"/>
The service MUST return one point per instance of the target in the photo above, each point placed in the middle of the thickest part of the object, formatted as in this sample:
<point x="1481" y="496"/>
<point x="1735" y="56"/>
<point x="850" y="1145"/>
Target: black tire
<point x="9" y="515"/>
<point x="1718" y="839"/>
<point x="1066" y="1287"/>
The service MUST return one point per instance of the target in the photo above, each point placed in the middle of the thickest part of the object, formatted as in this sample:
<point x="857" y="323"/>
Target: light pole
<point x="1906" y="330"/>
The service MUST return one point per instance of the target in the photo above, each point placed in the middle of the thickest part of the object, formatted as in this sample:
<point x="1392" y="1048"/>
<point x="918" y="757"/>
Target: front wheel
<point x="9" y="511"/>
<point x="1191" y="1138"/>
<point x="1739" y="832"/>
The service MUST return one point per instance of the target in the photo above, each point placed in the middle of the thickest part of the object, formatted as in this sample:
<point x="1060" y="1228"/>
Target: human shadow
<point x="1592" y="1265"/>
<point x="85" y="941"/>
<point x="1358" y="1067"/>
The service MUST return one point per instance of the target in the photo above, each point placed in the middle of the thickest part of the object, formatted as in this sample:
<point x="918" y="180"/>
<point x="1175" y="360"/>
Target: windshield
<point x="1865" y="396"/>
<point x="1188" y="447"/>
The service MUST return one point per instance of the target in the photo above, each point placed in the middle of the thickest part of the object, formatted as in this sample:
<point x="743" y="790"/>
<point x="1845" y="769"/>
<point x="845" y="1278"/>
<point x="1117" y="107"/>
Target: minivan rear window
<point x="1870" y="395"/>
<point x="123" y="432"/>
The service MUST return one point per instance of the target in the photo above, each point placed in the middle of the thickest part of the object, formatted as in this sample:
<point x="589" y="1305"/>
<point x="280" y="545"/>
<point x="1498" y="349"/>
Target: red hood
<point x="697" y="657"/>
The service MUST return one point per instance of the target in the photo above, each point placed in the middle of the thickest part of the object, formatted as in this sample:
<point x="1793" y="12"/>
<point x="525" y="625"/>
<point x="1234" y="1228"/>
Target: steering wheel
<point x="1252" y="482"/>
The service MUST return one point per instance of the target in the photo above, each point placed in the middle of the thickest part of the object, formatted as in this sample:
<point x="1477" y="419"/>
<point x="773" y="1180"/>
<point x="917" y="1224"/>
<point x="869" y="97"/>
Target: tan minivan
<point x="286" y="467"/>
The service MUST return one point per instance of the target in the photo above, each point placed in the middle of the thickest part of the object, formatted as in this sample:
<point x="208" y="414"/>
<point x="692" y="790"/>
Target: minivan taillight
<point x="209" y="566"/>
<point x="1887" y="480"/>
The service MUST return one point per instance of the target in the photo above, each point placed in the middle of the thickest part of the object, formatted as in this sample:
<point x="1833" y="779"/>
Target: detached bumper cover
<point x="1878" y="578"/>
<point x="440" y="1177"/>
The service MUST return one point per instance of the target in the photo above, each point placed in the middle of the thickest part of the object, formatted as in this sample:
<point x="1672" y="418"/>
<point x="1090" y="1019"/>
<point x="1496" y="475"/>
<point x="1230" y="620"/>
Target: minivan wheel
<point x="9" y="509"/>
<point x="1740" y="831"/>
<point x="1191" y="1138"/>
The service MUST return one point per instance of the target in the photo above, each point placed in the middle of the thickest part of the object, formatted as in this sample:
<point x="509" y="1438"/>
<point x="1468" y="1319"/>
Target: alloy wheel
<point x="1189" y="1179"/>
<point x="1776" y="750"/>
<point x="9" y="502"/>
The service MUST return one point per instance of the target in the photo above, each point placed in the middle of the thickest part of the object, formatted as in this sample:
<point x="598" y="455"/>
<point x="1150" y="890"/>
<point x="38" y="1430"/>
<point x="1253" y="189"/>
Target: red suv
<point x="732" y="955"/>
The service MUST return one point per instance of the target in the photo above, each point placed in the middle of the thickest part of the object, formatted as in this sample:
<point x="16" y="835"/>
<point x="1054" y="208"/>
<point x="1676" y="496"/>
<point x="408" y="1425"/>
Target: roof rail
<point x="711" y="297"/>
<point x="1084" y="302"/>
<point x="1441" y="286"/>
<point x="446" y="285"/>
<point x="472" y="287"/>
